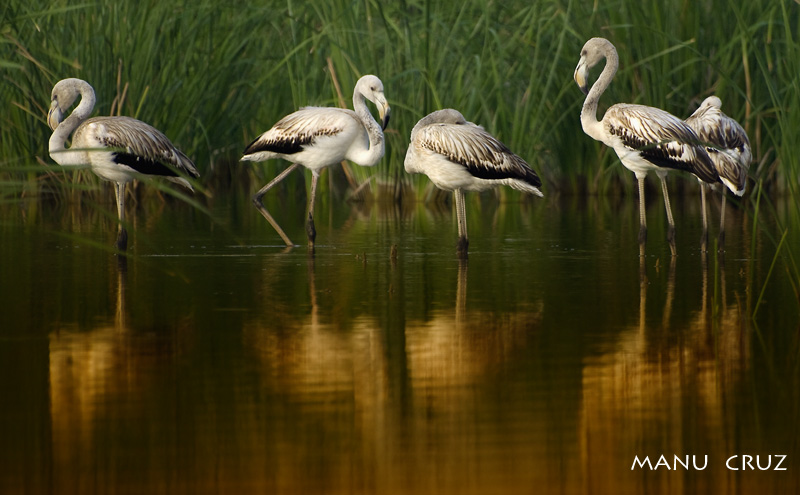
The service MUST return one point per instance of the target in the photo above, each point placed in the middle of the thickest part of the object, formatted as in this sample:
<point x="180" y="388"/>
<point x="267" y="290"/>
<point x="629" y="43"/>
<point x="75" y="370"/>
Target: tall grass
<point x="214" y="74"/>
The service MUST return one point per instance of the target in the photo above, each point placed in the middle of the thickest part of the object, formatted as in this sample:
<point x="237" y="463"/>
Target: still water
<point x="216" y="361"/>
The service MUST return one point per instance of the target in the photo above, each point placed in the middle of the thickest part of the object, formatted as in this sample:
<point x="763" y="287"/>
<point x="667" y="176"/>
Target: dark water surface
<point x="214" y="361"/>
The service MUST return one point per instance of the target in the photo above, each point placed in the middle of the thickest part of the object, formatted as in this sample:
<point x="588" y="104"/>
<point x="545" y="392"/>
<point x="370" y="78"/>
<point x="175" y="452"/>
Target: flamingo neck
<point x="370" y="156"/>
<point x="589" y="121"/>
<point x="57" y="145"/>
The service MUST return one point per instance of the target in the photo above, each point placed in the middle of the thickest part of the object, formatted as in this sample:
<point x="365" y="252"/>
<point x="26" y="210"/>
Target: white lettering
<point x="641" y="463"/>
<point x="677" y="461"/>
<point x="747" y="463"/>
<point x="704" y="465"/>
<point x="662" y="461"/>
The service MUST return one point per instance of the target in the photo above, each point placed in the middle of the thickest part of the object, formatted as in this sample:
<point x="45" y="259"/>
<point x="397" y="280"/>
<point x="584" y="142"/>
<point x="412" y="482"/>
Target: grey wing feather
<point x="720" y="131"/>
<point x="660" y="138"/>
<point x="137" y="138"/>
<point x="298" y="129"/>
<point x="479" y="152"/>
<point x="725" y="140"/>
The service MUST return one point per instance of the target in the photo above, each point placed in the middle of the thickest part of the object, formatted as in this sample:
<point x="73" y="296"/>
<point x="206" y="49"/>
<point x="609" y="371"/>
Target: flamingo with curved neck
<point x="117" y="149"/>
<point x="318" y="137"/>
<point x="644" y="138"/>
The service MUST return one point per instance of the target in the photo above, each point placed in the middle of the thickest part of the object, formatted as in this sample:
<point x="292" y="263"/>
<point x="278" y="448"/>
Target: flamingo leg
<point x="704" y="208"/>
<point x="671" y="229"/>
<point x="260" y="205"/>
<point x="310" y="230"/>
<point x="461" y="214"/>
<point x="122" y="235"/>
<point x="642" y="217"/>
<point x="722" y="222"/>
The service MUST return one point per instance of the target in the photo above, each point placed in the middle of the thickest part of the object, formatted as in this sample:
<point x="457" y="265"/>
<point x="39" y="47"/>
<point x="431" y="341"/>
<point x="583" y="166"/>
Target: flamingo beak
<point x="385" y="112"/>
<point x="581" y="76"/>
<point x="55" y="115"/>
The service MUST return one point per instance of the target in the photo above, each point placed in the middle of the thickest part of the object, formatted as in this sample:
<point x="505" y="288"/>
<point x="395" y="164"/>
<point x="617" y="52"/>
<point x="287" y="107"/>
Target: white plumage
<point x="118" y="149"/>
<point x="317" y="137"/>
<point x="728" y="147"/>
<point x="644" y="138"/>
<point x="460" y="156"/>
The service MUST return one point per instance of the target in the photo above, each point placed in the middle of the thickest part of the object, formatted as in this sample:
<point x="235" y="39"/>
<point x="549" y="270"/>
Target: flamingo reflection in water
<point x="667" y="382"/>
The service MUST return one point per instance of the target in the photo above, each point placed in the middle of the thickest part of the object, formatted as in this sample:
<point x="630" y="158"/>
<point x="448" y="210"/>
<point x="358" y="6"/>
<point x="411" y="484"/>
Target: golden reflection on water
<point x="635" y="400"/>
<point x="456" y="399"/>
<point x="100" y="381"/>
<point x="353" y="415"/>
<point x="427" y="440"/>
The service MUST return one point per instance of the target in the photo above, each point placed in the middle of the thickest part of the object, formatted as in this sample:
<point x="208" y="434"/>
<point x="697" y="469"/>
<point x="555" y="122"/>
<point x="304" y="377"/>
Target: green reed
<point x="212" y="75"/>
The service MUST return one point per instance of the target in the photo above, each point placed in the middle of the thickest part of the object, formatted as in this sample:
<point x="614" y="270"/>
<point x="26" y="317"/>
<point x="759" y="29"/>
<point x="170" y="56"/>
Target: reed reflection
<point x="665" y="389"/>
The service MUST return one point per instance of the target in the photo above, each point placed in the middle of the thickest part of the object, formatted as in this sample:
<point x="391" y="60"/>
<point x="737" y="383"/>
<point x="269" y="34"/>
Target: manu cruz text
<point x="737" y="462"/>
